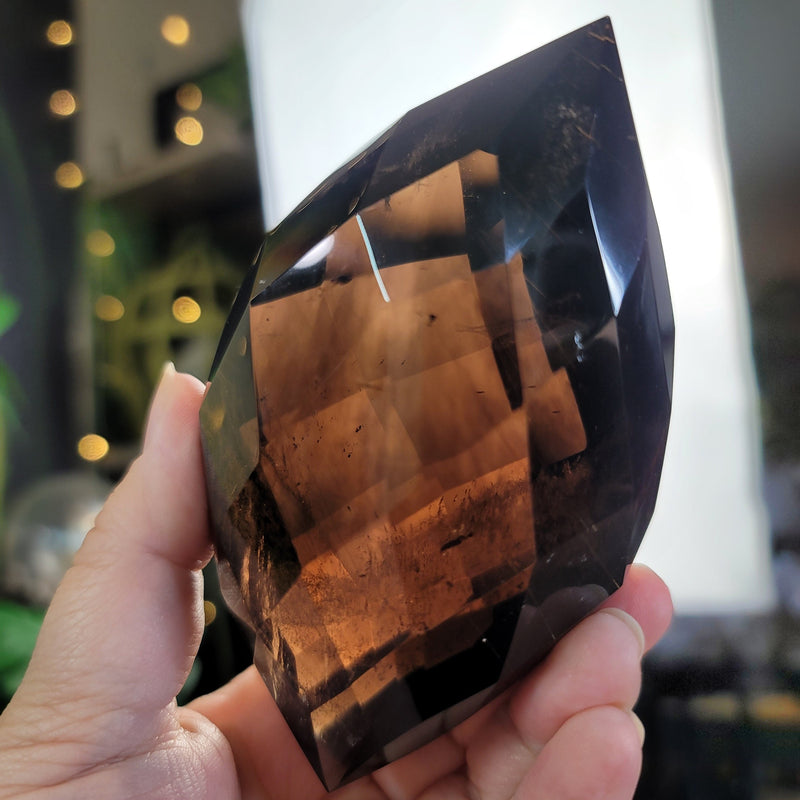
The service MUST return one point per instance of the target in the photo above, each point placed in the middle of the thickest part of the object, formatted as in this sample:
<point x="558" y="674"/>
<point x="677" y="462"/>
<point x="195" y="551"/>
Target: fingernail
<point x="158" y="406"/>
<point x="638" y="725"/>
<point x="635" y="627"/>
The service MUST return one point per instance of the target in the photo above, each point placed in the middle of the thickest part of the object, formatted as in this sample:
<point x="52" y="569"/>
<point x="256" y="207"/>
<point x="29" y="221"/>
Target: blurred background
<point x="144" y="150"/>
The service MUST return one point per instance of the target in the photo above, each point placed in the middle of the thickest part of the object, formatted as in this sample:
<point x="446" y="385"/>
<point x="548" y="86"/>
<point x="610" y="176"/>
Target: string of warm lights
<point x="69" y="175"/>
<point x="188" y="129"/>
<point x="62" y="103"/>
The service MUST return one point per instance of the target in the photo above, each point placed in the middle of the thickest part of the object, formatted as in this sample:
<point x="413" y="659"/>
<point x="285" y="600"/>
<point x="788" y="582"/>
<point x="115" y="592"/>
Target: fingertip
<point x="170" y="472"/>
<point x="597" y="664"/>
<point x="639" y="726"/>
<point x="647" y="599"/>
<point x="159" y="507"/>
<point x="631" y="622"/>
<point x="176" y="401"/>
<point x="216" y="776"/>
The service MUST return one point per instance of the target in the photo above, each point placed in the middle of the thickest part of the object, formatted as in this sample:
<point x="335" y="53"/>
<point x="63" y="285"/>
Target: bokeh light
<point x="100" y="243"/>
<point x="189" y="96"/>
<point x="92" y="447"/>
<point x="59" y="32"/>
<point x="63" y="103"/>
<point x="109" y="308"/>
<point x="189" y="131"/>
<point x="175" y="29"/>
<point x="186" y="310"/>
<point x="69" y="175"/>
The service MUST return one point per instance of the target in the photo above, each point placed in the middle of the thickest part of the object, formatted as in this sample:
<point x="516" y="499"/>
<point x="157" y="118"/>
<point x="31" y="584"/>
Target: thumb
<point x="122" y="630"/>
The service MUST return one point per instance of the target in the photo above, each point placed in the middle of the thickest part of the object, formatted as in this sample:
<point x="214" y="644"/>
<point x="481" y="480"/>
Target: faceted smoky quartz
<point x="434" y="440"/>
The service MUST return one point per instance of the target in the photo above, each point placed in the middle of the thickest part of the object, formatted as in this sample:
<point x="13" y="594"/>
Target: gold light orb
<point x="109" y="308"/>
<point x="60" y="33"/>
<point x="175" y="29"/>
<point x="186" y="310"/>
<point x="92" y="447"/>
<point x="188" y="130"/>
<point x="100" y="243"/>
<point x="776" y="708"/>
<point x="63" y="103"/>
<point x="189" y="96"/>
<point x="69" y="175"/>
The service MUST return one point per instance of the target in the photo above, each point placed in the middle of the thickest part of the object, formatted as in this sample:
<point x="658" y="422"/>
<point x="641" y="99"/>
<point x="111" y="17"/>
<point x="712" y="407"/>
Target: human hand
<point x="96" y="714"/>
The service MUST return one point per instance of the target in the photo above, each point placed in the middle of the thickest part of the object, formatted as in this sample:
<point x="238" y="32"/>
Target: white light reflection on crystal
<point x="615" y="281"/>
<point x="316" y="254"/>
<point x="371" y="255"/>
<point x="579" y="348"/>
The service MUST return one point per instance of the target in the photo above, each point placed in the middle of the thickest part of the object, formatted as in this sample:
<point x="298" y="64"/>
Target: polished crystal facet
<point x="434" y="440"/>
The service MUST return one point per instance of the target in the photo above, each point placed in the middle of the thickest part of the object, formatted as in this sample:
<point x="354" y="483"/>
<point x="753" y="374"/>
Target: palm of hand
<point x="96" y="715"/>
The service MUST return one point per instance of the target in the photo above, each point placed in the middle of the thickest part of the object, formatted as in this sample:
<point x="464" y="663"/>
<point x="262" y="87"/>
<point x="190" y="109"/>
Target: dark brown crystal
<point x="434" y="441"/>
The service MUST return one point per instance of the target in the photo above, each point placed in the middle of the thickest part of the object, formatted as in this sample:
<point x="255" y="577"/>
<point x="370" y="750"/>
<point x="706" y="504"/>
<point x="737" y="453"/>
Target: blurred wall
<point x="759" y="66"/>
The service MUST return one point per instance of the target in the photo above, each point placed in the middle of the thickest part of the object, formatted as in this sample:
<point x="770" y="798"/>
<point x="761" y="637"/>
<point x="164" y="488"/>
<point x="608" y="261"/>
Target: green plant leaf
<point x="19" y="627"/>
<point x="9" y="311"/>
<point x="10" y="397"/>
